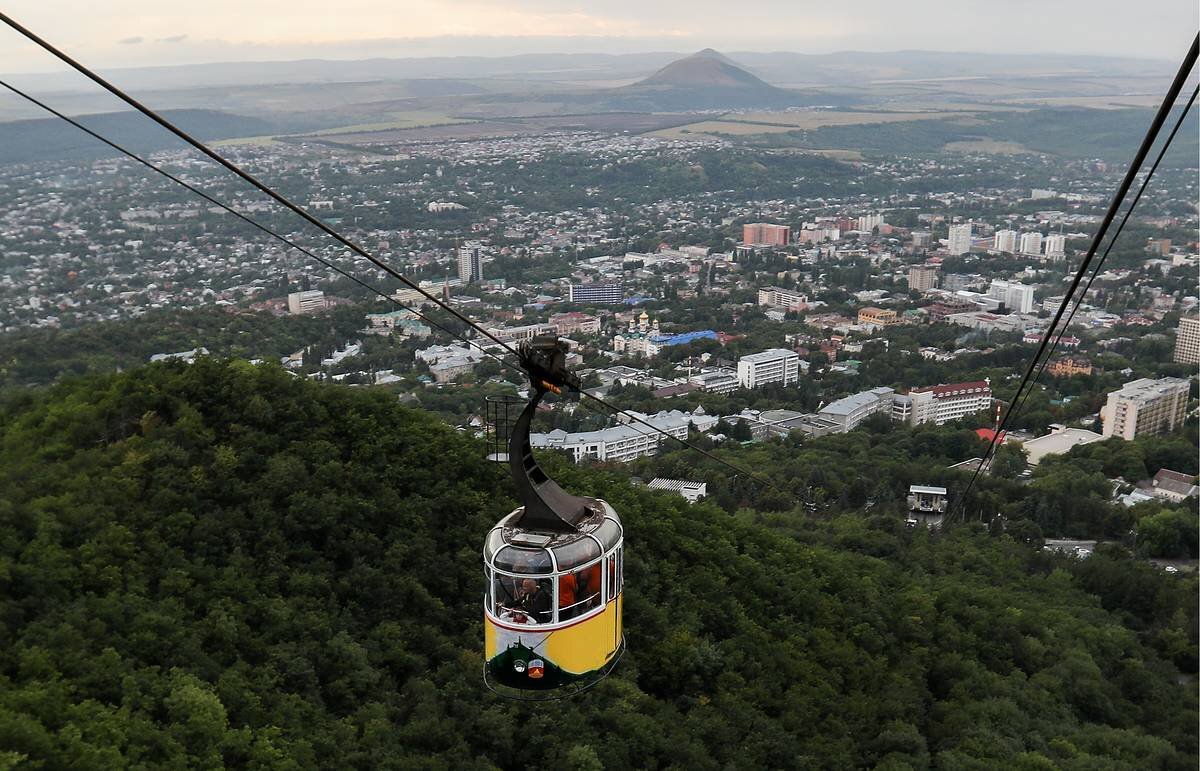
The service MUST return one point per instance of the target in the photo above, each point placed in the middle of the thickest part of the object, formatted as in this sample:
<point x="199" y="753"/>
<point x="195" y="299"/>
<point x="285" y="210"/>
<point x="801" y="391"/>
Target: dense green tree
<point x="224" y="565"/>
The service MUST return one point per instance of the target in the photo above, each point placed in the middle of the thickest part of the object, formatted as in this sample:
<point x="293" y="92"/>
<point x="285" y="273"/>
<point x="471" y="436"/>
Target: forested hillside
<point x="221" y="564"/>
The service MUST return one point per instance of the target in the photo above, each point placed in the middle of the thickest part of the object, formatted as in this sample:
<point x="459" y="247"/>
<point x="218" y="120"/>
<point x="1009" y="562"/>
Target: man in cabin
<point x="535" y="601"/>
<point x="566" y="597"/>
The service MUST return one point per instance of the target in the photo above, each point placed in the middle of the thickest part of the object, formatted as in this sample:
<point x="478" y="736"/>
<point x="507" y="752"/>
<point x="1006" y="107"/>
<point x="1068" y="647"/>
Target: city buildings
<point x="988" y="322"/>
<point x="922" y="277"/>
<point x="1173" y="486"/>
<point x="623" y="443"/>
<point x="879" y="317"/>
<point x="1055" y="246"/>
<point x="1070" y="365"/>
<point x="1018" y="298"/>
<point x="960" y="239"/>
<point x="574" y="323"/>
<point x="1031" y="243"/>
<point x="869" y="222"/>
<point x="720" y="381"/>
<point x="941" y="403"/>
<point x="1187" y="340"/>
<point x="470" y="262"/>
<point x="306" y="302"/>
<point x="775" y="365"/>
<point x="1005" y="241"/>
<point x="774" y="297"/>
<point x="597" y="294"/>
<point x="766" y="234"/>
<point x="941" y="309"/>
<point x="847" y="413"/>
<point x="1144" y="407"/>
<point x="1060" y="440"/>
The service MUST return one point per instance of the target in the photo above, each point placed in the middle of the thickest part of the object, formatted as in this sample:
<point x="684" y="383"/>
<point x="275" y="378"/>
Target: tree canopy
<point x="222" y="564"/>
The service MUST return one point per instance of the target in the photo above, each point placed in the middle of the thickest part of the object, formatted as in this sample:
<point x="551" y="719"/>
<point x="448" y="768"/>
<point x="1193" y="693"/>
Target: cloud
<point x="172" y="39"/>
<point x="131" y="41"/>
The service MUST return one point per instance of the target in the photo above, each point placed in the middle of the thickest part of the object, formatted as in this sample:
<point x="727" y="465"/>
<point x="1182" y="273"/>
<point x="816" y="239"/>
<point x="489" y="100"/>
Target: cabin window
<point x="579" y="591"/>
<point x="576" y="553"/>
<point x="523" y="599"/>
<point x="514" y="559"/>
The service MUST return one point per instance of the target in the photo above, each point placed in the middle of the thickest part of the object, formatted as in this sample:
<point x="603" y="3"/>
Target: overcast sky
<point x="113" y="33"/>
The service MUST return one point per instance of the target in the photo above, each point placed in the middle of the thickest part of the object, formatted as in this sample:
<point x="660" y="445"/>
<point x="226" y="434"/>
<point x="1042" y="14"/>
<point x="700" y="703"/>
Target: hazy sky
<point x="157" y="32"/>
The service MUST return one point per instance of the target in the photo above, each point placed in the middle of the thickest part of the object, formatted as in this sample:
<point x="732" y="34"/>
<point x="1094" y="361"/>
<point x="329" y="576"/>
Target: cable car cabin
<point x="554" y="566"/>
<point x="552" y="611"/>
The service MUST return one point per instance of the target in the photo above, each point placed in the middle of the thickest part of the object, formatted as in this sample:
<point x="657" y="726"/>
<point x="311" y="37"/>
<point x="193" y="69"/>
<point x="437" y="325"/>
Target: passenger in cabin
<point x="588" y="586"/>
<point x="535" y="601"/>
<point x="566" y="597"/>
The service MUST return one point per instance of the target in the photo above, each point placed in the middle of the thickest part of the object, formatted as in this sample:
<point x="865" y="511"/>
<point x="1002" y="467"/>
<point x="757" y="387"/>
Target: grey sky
<point x="153" y="32"/>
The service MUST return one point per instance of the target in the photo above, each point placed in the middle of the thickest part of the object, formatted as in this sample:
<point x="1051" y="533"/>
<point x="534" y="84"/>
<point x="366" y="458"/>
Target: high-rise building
<point x="597" y="294"/>
<point x="942" y="403"/>
<point x="960" y="239"/>
<point x="1055" y="246"/>
<point x="1005" y="241"/>
<point x="921" y="239"/>
<point x="1031" y="243"/>
<point x="766" y="234"/>
<point x="470" y="262"/>
<point x="1187" y="340"/>
<point x="869" y="222"/>
<point x="1145" y="407"/>
<point x="1017" y="297"/>
<point x="922" y="277"/>
<point x="775" y="365"/>
<point x="309" y="301"/>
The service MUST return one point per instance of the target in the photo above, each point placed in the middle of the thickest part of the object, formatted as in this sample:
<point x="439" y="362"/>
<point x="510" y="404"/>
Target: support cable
<point x="1135" y="166"/>
<point x="244" y="218"/>
<point x="1117" y="234"/>
<point x="299" y="211"/>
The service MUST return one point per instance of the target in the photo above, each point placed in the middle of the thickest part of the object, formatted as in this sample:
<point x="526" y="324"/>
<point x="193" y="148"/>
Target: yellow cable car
<point x="554" y="566"/>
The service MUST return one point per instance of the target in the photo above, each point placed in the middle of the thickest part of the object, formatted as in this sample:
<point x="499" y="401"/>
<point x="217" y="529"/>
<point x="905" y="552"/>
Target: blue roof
<point x="638" y="300"/>
<point x="684" y="337"/>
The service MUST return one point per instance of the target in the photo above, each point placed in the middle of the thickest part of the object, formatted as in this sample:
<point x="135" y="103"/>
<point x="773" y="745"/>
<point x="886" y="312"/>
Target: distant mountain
<point x="706" y="80"/>
<point x="706" y="68"/>
<point x="46" y="139"/>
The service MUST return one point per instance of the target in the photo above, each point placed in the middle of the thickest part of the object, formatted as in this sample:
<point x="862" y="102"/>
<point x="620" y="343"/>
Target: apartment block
<point x="775" y="365"/>
<point x="1187" y="340"/>
<point x="1145" y="407"/>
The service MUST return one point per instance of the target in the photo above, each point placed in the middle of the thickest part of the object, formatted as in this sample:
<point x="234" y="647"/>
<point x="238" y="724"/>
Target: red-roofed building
<point x="986" y="434"/>
<point x="942" y="403"/>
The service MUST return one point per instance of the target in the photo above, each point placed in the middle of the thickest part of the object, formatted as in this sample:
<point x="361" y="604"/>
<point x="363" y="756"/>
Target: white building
<point x="1144" y="407"/>
<point x="1005" y="241"/>
<point x="597" y="294"/>
<point x="692" y="491"/>
<point x="1017" y="297"/>
<point x="774" y="297"/>
<point x="720" y="381"/>
<point x="960" y="239"/>
<point x="987" y="322"/>
<point x="869" y="222"/>
<point x="775" y="365"/>
<point x="470" y="262"/>
<point x="1187" y="340"/>
<point x="1060" y="440"/>
<point x="941" y="404"/>
<point x="1031" y="243"/>
<point x="309" y="301"/>
<point x="847" y="413"/>
<point x="625" y="442"/>
<point x="1055" y="246"/>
